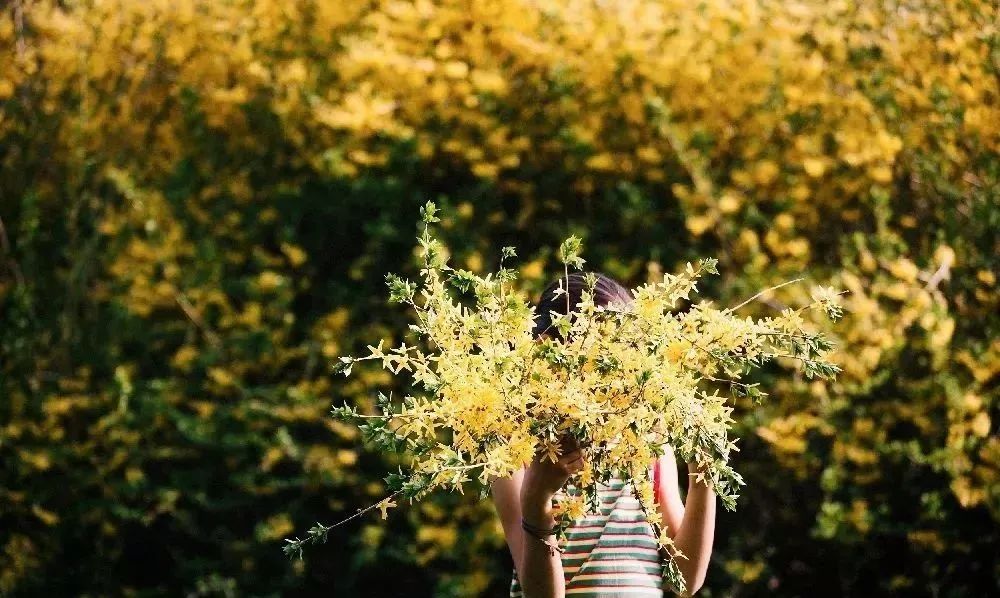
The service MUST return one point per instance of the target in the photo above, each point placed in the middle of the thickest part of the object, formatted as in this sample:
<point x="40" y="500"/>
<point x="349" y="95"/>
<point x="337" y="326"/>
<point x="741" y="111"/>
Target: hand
<point x="696" y="469"/>
<point x="543" y="478"/>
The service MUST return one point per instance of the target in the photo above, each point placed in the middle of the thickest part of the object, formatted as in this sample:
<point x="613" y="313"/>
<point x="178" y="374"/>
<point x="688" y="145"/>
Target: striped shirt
<point x="609" y="553"/>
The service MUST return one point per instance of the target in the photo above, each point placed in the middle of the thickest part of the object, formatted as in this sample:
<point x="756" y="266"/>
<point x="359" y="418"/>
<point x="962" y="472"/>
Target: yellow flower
<point x="384" y="507"/>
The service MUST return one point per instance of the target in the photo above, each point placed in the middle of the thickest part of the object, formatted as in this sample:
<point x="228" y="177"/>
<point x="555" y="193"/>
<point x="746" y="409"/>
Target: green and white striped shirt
<point x="612" y="552"/>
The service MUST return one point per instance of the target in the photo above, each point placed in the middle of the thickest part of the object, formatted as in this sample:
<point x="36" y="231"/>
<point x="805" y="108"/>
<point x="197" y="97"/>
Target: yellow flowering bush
<point x="199" y="198"/>
<point x="627" y="382"/>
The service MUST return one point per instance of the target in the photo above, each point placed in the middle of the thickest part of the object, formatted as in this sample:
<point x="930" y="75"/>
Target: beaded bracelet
<point x="540" y="533"/>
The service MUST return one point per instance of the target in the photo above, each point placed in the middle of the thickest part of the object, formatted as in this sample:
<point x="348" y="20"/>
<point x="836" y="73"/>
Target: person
<point x="612" y="552"/>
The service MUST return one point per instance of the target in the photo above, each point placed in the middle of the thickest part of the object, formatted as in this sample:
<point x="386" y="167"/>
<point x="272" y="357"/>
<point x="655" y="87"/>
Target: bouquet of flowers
<point x="625" y="381"/>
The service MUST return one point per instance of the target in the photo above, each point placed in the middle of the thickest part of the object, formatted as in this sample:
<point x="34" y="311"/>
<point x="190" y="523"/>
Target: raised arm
<point x="528" y="495"/>
<point x="690" y="524"/>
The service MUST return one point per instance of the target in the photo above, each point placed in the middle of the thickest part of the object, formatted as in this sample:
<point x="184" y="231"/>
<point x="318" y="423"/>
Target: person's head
<point x="607" y="291"/>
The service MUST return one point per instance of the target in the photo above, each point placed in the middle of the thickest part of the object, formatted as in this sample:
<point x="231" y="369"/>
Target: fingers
<point x="549" y="477"/>
<point x="570" y="459"/>
<point x="572" y="462"/>
<point x="568" y="443"/>
<point x="568" y="448"/>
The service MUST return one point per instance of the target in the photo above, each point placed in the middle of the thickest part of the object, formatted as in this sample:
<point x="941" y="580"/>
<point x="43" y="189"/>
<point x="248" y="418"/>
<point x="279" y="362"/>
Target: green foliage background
<point x="200" y="200"/>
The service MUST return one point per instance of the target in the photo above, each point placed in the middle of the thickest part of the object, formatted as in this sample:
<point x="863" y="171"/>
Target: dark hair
<point x="607" y="291"/>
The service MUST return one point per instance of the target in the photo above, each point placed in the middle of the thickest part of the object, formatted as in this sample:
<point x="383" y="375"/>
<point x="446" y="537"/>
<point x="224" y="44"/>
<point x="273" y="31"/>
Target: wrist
<point x="534" y="493"/>
<point x="698" y="476"/>
<point x="703" y="486"/>
<point x="696" y="466"/>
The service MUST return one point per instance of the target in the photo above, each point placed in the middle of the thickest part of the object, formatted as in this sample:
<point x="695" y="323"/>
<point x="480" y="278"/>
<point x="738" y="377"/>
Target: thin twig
<point x="787" y="282"/>
<point x="726" y="381"/>
<point x="361" y="512"/>
<point x="195" y="317"/>
<point x="942" y="273"/>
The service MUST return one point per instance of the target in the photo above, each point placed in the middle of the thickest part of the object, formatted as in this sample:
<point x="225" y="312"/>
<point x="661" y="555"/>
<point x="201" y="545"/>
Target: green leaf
<point x="569" y="252"/>
<point x="428" y="213"/>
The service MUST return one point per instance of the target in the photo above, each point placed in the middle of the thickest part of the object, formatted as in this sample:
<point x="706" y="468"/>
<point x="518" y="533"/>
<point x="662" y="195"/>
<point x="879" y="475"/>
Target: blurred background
<point x="200" y="199"/>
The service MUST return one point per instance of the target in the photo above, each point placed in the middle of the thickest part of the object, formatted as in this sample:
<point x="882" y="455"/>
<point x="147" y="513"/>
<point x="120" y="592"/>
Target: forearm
<point x="669" y="497"/>
<point x="696" y="534"/>
<point x="540" y="570"/>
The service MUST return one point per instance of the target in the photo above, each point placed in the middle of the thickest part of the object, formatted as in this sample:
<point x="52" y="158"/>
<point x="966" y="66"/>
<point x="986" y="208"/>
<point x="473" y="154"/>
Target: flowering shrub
<point x="199" y="198"/>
